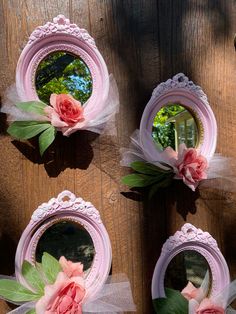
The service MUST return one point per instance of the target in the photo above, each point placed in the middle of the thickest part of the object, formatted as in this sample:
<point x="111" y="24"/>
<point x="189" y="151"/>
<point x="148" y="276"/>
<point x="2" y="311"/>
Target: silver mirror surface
<point x="188" y="266"/>
<point x="68" y="239"/>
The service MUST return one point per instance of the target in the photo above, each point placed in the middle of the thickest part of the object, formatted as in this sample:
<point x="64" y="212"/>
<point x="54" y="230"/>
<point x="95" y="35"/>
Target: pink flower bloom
<point x="65" y="296"/>
<point x="190" y="166"/>
<point x="71" y="269"/>
<point x="65" y="113"/>
<point x="208" y="307"/>
<point x="190" y="292"/>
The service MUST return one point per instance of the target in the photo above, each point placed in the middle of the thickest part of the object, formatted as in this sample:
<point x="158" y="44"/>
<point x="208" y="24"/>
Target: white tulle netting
<point x="137" y="151"/>
<point x="223" y="300"/>
<point x="103" y="123"/>
<point x="219" y="166"/>
<point x="10" y="99"/>
<point x="114" y="297"/>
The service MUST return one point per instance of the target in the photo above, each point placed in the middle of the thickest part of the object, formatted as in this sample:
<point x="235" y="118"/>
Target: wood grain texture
<point x="143" y="43"/>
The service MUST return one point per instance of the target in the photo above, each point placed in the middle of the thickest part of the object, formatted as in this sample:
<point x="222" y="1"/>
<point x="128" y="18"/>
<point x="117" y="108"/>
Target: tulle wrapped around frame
<point x="223" y="300"/>
<point x="220" y="167"/>
<point x="103" y="123"/>
<point x="114" y="297"/>
<point x="136" y="152"/>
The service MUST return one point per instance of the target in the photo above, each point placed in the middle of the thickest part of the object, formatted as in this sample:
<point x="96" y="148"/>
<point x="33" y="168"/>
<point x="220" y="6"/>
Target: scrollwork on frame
<point x="189" y="233"/>
<point x="180" y="81"/>
<point x="61" y="24"/>
<point x="66" y="201"/>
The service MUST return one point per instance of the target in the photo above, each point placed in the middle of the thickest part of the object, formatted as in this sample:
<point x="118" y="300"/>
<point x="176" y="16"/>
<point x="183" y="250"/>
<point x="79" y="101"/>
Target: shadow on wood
<point x="8" y="249"/>
<point x="65" y="152"/>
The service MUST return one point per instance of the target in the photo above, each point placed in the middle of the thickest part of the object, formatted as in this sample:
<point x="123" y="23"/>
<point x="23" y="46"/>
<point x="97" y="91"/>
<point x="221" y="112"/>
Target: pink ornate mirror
<point x="62" y="85"/>
<point x="190" y="256"/>
<point x="176" y="139"/>
<point x="178" y="112"/>
<point x="70" y="227"/>
<point x="62" y="58"/>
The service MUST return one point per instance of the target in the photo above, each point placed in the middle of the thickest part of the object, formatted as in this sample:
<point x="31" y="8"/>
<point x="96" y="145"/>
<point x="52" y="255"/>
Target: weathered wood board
<point x="143" y="43"/>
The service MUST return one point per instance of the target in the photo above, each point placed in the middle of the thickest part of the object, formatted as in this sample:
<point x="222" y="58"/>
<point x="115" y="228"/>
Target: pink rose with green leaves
<point x="66" y="294"/>
<point x="58" y="287"/>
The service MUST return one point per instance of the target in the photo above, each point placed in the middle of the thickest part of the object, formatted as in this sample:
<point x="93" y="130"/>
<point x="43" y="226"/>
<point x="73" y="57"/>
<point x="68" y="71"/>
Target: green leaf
<point x="147" y="168"/>
<point x="27" y="129"/>
<point x="178" y="300"/>
<point x="138" y="180"/>
<point x="46" y="138"/>
<point x="33" y="277"/>
<point x="33" y="311"/>
<point x="32" y="106"/>
<point x="162" y="306"/>
<point x="174" y="303"/>
<point x="14" y="291"/>
<point x="51" y="267"/>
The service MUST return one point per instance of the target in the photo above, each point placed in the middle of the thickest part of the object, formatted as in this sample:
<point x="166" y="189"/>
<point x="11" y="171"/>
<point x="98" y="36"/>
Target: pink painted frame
<point x="181" y="90"/>
<point x="67" y="206"/>
<point x="191" y="238"/>
<point x="61" y="35"/>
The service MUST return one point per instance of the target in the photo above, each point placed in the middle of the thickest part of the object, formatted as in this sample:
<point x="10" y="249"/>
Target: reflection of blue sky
<point x="78" y="83"/>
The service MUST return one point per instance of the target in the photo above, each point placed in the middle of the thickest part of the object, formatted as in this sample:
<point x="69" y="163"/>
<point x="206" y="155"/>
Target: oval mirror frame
<point x="191" y="238"/>
<point x="61" y="35"/>
<point x="70" y="208"/>
<point x="181" y="90"/>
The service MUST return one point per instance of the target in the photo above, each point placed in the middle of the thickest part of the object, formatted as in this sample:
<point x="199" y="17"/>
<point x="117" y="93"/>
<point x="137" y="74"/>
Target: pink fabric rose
<point x="65" y="296"/>
<point x="190" y="166"/>
<point x="190" y="292"/>
<point x="208" y="307"/>
<point x="71" y="269"/>
<point x="65" y="113"/>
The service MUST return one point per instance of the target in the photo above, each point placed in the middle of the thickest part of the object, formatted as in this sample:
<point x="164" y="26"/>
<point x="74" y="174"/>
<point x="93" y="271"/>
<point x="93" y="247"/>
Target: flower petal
<point x="57" y="122"/>
<point x="50" y="293"/>
<point x="53" y="100"/>
<point x="207" y="306"/>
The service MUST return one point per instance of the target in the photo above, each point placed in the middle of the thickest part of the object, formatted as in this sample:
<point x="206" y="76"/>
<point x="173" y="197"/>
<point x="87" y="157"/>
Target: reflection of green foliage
<point x="163" y="132"/>
<point x="63" y="73"/>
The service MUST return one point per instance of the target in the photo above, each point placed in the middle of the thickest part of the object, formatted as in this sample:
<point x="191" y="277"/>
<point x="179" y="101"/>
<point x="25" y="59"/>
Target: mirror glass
<point x="63" y="73"/>
<point x="188" y="266"/>
<point x="69" y="239"/>
<point x="174" y="125"/>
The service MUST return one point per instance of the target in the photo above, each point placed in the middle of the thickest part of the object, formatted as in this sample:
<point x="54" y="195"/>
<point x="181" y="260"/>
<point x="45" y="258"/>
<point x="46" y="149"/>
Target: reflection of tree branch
<point x="50" y="71"/>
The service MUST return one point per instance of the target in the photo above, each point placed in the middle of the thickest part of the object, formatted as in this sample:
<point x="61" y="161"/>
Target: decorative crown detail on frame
<point x="61" y="24"/>
<point x="66" y="201"/>
<point x="189" y="233"/>
<point x="179" y="81"/>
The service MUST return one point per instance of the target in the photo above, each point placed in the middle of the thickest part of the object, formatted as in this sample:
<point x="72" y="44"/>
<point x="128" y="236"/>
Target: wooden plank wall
<point x="143" y="43"/>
